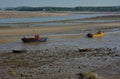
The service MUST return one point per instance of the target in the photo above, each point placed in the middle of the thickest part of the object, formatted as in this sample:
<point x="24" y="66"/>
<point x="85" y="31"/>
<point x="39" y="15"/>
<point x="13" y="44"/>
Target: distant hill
<point x="24" y="8"/>
<point x="115" y="8"/>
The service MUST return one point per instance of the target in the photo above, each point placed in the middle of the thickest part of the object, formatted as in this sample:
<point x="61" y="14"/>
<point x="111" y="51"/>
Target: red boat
<point x="36" y="38"/>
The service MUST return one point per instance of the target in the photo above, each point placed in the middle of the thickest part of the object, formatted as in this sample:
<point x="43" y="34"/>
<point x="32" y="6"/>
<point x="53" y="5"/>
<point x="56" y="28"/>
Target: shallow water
<point x="36" y="21"/>
<point x="73" y="23"/>
<point x="111" y="39"/>
<point x="49" y="18"/>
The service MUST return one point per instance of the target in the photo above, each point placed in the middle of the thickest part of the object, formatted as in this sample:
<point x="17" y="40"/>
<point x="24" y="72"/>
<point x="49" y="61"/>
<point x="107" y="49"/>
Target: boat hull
<point x="95" y="35"/>
<point x="43" y="39"/>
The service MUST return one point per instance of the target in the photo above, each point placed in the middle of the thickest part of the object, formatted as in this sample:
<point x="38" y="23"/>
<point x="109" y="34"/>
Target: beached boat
<point x="36" y="38"/>
<point x="99" y="34"/>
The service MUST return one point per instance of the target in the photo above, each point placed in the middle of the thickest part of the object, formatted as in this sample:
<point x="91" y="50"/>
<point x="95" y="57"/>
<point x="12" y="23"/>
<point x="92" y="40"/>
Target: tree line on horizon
<point x="53" y="9"/>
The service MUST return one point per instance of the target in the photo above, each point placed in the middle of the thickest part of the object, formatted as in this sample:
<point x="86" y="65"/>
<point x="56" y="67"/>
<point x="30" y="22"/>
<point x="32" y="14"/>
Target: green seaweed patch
<point x="88" y="75"/>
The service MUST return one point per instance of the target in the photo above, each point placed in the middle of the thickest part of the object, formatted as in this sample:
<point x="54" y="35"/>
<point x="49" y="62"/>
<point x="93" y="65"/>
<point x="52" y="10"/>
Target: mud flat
<point x="60" y="63"/>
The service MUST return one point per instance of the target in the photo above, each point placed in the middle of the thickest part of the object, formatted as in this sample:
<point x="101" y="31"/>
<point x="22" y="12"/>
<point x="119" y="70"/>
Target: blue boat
<point x="36" y="38"/>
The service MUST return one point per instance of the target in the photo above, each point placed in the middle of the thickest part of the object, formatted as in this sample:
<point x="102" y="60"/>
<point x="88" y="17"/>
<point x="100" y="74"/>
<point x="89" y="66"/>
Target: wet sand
<point x="30" y="31"/>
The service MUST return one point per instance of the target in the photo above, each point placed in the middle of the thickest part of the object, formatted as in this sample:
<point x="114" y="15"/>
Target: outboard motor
<point x="89" y="35"/>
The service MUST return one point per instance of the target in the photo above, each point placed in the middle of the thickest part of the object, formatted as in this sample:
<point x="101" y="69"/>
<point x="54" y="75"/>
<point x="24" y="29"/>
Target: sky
<point x="58" y="3"/>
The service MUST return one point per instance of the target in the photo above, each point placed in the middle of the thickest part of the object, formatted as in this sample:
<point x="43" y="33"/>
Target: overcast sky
<point x="58" y="3"/>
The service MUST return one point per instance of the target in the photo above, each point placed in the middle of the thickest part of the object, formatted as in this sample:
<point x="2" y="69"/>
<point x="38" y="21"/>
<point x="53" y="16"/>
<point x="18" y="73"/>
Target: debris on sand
<point x="19" y="50"/>
<point x="60" y="62"/>
<point x="85" y="49"/>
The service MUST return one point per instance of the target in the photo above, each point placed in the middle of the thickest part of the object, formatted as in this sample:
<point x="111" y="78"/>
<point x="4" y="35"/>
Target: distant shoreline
<point x="30" y="14"/>
<point x="53" y="8"/>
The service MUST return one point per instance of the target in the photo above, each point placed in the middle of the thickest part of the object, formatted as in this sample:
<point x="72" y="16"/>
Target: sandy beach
<point x="19" y="14"/>
<point x="61" y="61"/>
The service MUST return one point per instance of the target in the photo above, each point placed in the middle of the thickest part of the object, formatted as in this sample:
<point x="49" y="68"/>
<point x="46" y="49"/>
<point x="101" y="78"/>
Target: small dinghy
<point x="36" y="38"/>
<point x="99" y="34"/>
